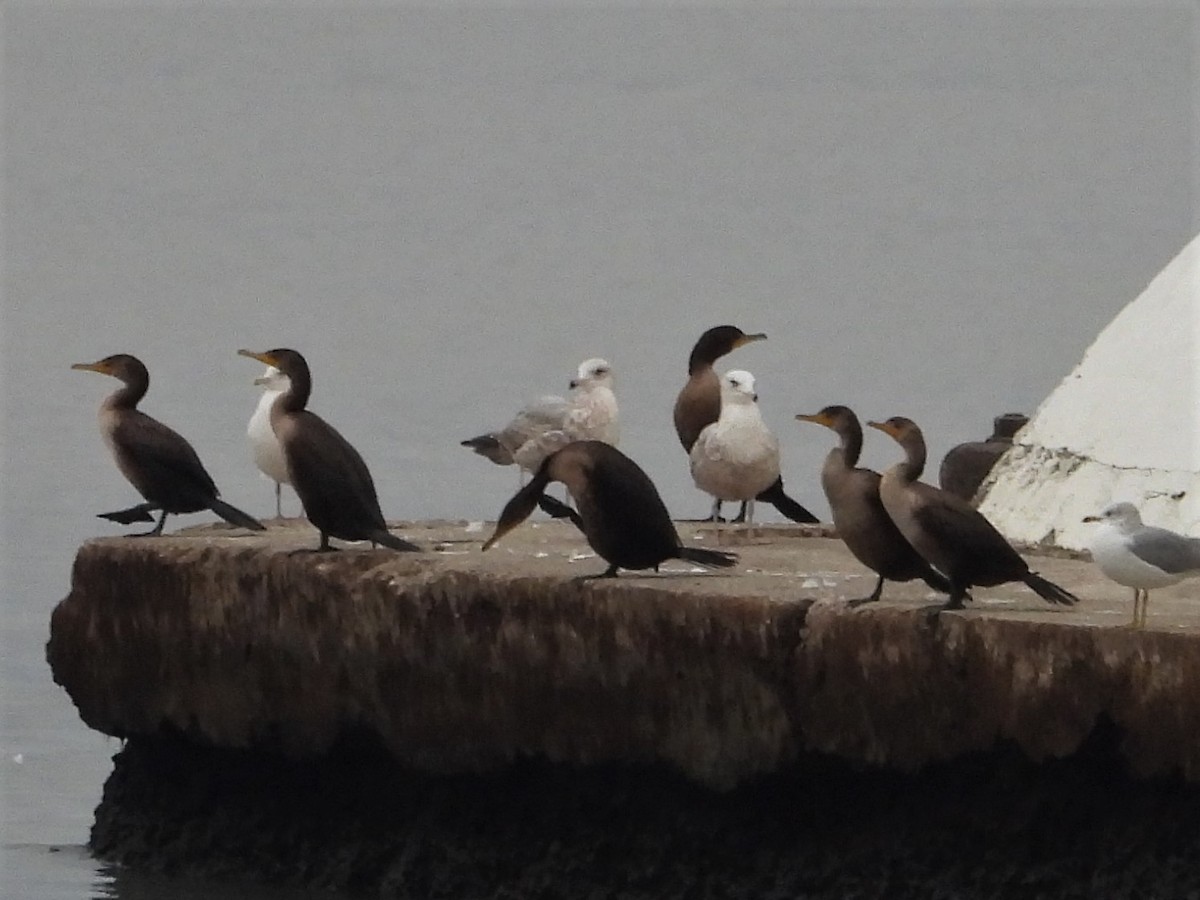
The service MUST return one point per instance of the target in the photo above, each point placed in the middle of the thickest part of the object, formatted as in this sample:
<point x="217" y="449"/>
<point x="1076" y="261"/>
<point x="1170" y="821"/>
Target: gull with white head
<point x="550" y="423"/>
<point x="737" y="456"/>
<point x="1141" y="556"/>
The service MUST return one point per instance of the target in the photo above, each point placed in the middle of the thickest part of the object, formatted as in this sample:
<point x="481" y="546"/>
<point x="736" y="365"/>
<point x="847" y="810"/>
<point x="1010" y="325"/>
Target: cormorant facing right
<point x="620" y="511"/>
<point x="858" y="514"/>
<point x="699" y="405"/>
<point x="947" y="531"/>
<point x="156" y="460"/>
<point x="330" y="477"/>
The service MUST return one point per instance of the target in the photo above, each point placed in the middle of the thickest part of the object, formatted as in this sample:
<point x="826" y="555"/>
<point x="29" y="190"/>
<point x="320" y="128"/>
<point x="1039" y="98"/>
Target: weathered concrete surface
<point x="460" y="661"/>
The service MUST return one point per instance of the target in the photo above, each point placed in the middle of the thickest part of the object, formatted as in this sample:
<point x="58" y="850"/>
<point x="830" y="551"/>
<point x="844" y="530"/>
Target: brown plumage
<point x="699" y="405"/>
<point x="620" y="511"/>
<point x="858" y="514"/>
<point x="947" y="531"/>
<point x="156" y="460"/>
<point x="328" y="474"/>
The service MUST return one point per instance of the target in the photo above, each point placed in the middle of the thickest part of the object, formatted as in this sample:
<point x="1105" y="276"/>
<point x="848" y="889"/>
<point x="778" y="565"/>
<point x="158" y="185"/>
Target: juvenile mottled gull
<point x="268" y="453"/>
<point x="1141" y="556"/>
<point x="550" y="423"/>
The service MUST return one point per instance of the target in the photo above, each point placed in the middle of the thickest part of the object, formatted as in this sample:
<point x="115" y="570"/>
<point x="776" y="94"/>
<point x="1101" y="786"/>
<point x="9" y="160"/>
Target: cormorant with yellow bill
<point x="328" y="474"/>
<point x="156" y="460"/>
<point x="947" y="531"/>
<point x="858" y="514"/>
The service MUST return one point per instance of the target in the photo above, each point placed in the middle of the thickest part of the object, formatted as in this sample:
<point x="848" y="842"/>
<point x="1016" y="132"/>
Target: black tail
<point x="785" y="504"/>
<point x="387" y="539"/>
<point x="139" y="513"/>
<point x="556" y="509"/>
<point x="489" y="446"/>
<point x="712" y="559"/>
<point x="234" y="516"/>
<point x="1049" y="591"/>
<point x="936" y="580"/>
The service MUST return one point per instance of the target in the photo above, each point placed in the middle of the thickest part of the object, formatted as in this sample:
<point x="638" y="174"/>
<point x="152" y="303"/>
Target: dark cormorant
<point x="858" y="514"/>
<point x="620" y="511"/>
<point x="947" y="531"/>
<point x="327" y="473"/>
<point x="159" y="462"/>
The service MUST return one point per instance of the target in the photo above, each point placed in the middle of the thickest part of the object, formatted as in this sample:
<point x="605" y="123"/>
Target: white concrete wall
<point x="1124" y="425"/>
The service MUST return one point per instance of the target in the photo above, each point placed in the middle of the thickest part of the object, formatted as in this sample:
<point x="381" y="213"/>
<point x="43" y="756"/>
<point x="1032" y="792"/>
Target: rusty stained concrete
<point x="464" y="661"/>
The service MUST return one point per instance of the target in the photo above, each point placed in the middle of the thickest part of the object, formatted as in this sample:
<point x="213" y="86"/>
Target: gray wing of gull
<point x="1171" y="552"/>
<point x="542" y="415"/>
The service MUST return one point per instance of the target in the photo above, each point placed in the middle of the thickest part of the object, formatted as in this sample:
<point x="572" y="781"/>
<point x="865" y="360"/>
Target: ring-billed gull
<point x="1141" y="556"/>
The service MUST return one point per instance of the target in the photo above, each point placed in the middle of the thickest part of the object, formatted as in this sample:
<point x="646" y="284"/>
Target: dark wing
<point x="972" y="551"/>
<point x="159" y="462"/>
<point x="1171" y="552"/>
<point x="628" y="511"/>
<point x="332" y="480"/>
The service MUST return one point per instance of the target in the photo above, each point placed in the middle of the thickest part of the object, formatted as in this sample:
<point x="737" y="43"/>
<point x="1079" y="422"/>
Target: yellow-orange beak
<point x="748" y="339"/>
<point x="887" y="429"/>
<point x="266" y="358"/>
<point x="100" y="367"/>
<point x="818" y="418"/>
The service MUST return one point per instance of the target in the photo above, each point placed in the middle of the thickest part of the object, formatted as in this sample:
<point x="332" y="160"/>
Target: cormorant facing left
<point x="159" y="462"/>
<point x="620" y="511"/>
<point x="328" y="474"/>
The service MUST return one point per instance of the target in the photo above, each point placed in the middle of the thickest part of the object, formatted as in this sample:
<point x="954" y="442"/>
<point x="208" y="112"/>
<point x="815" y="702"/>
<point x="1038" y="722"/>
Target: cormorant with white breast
<point x="620" y="511"/>
<point x="947" y="531"/>
<point x="333" y="483"/>
<point x="156" y="460"/>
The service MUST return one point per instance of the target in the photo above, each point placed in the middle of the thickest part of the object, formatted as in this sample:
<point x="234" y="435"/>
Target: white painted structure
<point x="1124" y="425"/>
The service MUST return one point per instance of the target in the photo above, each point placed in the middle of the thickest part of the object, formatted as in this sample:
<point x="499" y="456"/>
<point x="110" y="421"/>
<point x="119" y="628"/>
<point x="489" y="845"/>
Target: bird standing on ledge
<point x="1141" y="556"/>
<point x="156" y="460"/>
<point x="737" y="456"/>
<point x="699" y="405"/>
<point x="947" y="531"/>
<point x="268" y="453"/>
<point x="550" y="423"/>
<point x="858" y="514"/>
<point x="333" y="483"/>
<point x="620" y="511"/>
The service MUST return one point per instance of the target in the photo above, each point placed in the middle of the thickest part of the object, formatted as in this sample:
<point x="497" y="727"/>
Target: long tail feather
<point x="235" y="516"/>
<point x="387" y="539"/>
<point x="139" y="513"/>
<point x="489" y="446"/>
<point x="785" y="504"/>
<point x="1049" y="591"/>
<point x="713" y="559"/>
<point x="937" y="580"/>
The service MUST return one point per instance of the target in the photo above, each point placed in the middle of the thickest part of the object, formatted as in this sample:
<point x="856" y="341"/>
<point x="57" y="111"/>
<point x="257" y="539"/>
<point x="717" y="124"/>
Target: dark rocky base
<point x="992" y="825"/>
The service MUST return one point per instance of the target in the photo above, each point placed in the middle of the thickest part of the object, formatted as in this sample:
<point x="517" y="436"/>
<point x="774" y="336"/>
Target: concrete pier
<point x="214" y="652"/>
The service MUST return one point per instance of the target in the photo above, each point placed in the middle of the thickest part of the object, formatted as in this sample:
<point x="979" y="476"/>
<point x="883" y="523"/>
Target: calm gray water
<point x="931" y="213"/>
